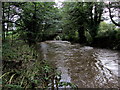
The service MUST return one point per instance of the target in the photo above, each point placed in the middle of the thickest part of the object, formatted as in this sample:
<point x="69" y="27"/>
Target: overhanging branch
<point x="112" y="18"/>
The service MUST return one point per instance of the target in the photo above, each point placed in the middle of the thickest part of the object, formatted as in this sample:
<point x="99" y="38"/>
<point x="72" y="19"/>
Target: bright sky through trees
<point x="59" y="3"/>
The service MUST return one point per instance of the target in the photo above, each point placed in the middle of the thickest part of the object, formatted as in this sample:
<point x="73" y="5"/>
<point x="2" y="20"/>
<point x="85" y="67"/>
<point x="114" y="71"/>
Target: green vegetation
<point x="25" y="24"/>
<point x="109" y="34"/>
<point x="84" y="23"/>
<point x="22" y="68"/>
<point x="80" y="18"/>
<point x="22" y="64"/>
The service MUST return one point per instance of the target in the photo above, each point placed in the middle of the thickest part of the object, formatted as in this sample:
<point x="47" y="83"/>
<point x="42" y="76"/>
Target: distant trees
<point x="81" y="17"/>
<point x="82" y="22"/>
<point x="32" y="20"/>
<point x="107" y="30"/>
<point x="95" y="14"/>
<point x="74" y="20"/>
<point x="38" y="21"/>
<point x="37" y="18"/>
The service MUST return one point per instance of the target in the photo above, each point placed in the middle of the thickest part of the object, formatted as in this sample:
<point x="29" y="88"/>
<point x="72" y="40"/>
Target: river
<point x="85" y="66"/>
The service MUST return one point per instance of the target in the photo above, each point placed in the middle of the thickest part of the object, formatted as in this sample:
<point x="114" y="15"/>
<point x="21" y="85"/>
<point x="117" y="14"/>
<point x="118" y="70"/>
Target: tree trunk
<point x="8" y="19"/>
<point x="82" y="38"/>
<point x="95" y="21"/>
<point x="3" y="24"/>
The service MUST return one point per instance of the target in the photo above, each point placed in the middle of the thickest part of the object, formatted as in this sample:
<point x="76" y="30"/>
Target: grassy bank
<point x="23" y="68"/>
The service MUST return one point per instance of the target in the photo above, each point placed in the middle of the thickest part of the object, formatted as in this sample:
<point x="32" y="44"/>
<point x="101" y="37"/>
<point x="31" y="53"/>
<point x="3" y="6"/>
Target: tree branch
<point x="7" y="21"/>
<point x="112" y="18"/>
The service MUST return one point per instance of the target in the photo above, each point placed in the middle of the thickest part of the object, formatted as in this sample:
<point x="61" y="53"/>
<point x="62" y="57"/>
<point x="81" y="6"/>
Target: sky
<point x="59" y="3"/>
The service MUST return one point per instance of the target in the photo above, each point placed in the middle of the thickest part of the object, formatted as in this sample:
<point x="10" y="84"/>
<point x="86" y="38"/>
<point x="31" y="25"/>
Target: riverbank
<point x="26" y="67"/>
<point x="107" y="43"/>
<point x="100" y="43"/>
<point x="22" y="67"/>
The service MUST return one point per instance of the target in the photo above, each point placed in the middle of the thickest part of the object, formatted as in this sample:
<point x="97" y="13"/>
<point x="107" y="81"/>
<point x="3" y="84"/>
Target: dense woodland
<point x="25" y="24"/>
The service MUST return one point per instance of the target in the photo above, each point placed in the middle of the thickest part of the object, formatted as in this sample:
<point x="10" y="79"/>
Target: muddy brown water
<point x="85" y="66"/>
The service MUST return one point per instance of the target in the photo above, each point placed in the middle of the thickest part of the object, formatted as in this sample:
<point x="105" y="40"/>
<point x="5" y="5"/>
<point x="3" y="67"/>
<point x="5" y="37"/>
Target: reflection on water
<point x="84" y="66"/>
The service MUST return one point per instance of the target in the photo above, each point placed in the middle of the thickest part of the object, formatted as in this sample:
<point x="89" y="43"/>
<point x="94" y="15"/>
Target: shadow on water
<point x="85" y="66"/>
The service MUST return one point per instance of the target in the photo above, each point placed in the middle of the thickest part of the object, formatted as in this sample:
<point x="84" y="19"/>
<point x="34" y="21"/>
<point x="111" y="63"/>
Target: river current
<point x="85" y="66"/>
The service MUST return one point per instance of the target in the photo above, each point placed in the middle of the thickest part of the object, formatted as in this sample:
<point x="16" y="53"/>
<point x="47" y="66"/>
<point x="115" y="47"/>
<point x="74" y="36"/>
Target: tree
<point x="95" y="13"/>
<point x="32" y="20"/>
<point x="81" y="17"/>
<point x="74" y="19"/>
<point x="10" y="11"/>
<point x="115" y="6"/>
<point x="3" y="24"/>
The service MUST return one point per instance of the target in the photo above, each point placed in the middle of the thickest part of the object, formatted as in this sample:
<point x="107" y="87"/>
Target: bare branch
<point x="112" y="17"/>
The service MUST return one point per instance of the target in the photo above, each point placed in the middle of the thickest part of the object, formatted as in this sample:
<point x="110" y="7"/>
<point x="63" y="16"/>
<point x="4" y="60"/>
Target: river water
<point x="85" y="66"/>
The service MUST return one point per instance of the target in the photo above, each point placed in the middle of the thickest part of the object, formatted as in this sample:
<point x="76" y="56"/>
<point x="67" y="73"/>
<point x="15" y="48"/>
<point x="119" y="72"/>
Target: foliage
<point x="109" y="34"/>
<point x="27" y="23"/>
<point x="22" y="68"/>
<point x="118" y="33"/>
<point x="33" y="21"/>
<point x="106" y="30"/>
<point x="79" y="17"/>
<point x="22" y="52"/>
<point x="86" y="19"/>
